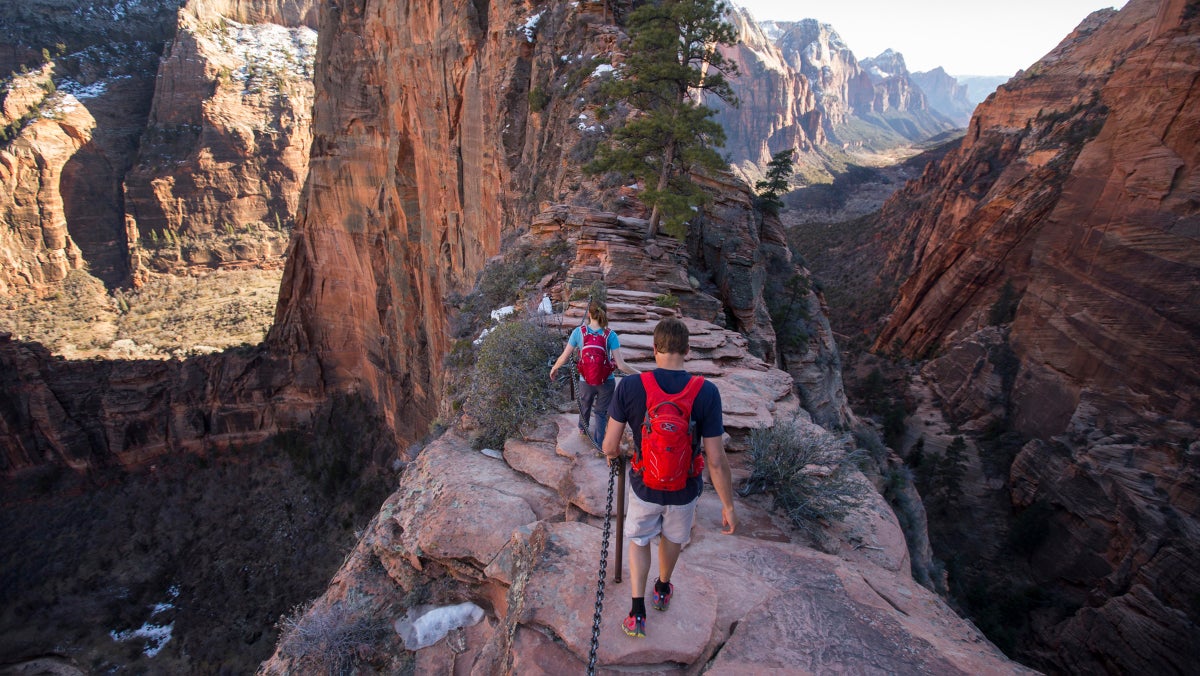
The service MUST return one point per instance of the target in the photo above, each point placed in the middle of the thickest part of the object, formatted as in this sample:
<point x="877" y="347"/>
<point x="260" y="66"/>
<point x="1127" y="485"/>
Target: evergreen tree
<point x="952" y="467"/>
<point x="672" y="55"/>
<point x="779" y="170"/>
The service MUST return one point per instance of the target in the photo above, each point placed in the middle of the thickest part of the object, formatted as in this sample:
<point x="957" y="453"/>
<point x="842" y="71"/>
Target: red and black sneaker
<point x="635" y="626"/>
<point x="661" y="601"/>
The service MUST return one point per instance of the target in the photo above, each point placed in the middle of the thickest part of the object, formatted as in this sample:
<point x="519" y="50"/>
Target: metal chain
<point x="612" y="475"/>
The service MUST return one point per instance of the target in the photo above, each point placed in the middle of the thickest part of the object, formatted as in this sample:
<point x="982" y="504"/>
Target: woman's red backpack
<point x="669" y="454"/>
<point x="595" y="361"/>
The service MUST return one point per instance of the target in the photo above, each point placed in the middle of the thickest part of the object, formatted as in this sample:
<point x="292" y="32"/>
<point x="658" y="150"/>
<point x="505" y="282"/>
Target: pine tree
<point x="952" y="467"/>
<point x="672" y="55"/>
<point x="779" y="170"/>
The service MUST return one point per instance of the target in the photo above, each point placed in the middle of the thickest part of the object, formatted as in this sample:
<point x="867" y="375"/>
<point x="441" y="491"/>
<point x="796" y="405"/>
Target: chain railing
<point x="614" y="468"/>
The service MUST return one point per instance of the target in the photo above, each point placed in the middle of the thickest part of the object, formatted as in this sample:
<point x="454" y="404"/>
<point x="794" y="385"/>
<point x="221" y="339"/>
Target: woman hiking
<point x="599" y="357"/>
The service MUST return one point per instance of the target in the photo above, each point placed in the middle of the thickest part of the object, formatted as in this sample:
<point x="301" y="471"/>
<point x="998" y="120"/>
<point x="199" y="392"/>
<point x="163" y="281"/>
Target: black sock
<point x="639" y="607"/>
<point x="662" y="588"/>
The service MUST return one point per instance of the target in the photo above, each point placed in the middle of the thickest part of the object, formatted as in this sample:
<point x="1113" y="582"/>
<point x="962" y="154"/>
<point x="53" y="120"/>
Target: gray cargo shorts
<point x="644" y="520"/>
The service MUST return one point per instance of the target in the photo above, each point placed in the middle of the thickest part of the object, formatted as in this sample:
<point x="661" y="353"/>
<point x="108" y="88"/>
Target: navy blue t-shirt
<point x="629" y="406"/>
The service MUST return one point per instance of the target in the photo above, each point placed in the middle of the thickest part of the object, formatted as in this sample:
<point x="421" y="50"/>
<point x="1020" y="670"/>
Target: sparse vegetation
<point x="333" y="639"/>
<point x="667" y="300"/>
<point x="510" y="383"/>
<point x="771" y="190"/>
<point x="787" y="303"/>
<point x="808" y="472"/>
<point x="1004" y="310"/>
<point x="167" y="317"/>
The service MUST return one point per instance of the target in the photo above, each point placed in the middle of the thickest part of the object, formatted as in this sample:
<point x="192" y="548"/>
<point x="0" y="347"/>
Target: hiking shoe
<point x="661" y="601"/>
<point x="635" y="626"/>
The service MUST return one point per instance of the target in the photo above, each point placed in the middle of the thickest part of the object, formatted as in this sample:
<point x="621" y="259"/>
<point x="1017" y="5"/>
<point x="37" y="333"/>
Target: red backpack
<point x="595" y="362"/>
<point x="668" y="455"/>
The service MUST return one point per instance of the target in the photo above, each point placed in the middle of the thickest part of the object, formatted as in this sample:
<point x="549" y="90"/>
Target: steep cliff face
<point x="199" y="166"/>
<point x="1070" y="210"/>
<point x="817" y="51"/>
<point x="899" y="101"/>
<point x="36" y="249"/>
<point x="801" y="87"/>
<point x="225" y="150"/>
<point x="778" y="105"/>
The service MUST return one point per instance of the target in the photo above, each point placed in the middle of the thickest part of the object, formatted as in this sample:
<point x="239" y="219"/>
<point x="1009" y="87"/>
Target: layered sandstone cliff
<point x="225" y="151"/>
<point x="801" y="87"/>
<point x="1069" y="211"/>
<point x="36" y="249"/>
<point x="946" y="95"/>
<point x="778" y="106"/>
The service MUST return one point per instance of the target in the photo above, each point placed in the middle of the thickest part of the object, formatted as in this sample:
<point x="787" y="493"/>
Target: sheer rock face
<point x="1081" y="198"/>
<point x="1076" y="185"/>
<point x="818" y="52"/>
<point x="88" y="415"/>
<point x="36" y="249"/>
<point x="778" y="105"/>
<point x="403" y="202"/>
<point x="946" y="95"/>
<point x="226" y="147"/>
<point x="218" y="143"/>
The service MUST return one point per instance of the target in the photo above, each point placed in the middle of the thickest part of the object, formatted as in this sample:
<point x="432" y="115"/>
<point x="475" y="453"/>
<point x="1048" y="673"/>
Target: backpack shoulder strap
<point x="652" y="389"/>
<point x="687" y="395"/>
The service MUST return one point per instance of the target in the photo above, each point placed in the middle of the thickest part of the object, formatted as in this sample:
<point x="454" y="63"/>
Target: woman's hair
<point x="671" y="336"/>
<point x="597" y="311"/>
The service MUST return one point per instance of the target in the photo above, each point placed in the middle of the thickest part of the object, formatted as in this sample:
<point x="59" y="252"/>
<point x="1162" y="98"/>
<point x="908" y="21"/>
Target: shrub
<point x="538" y="98"/>
<point x="666" y="300"/>
<point x="511" y="380"/>
<point x="331" y="639"/>
<point x="808" y="472"/>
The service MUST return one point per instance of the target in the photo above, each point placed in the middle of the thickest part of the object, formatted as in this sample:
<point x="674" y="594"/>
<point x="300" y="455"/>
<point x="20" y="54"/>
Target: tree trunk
<point x="664" y="176"/>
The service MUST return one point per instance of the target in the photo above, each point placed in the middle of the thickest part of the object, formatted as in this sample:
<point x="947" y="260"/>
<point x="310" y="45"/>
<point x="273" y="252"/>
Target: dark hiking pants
<point x="593" y="400"/>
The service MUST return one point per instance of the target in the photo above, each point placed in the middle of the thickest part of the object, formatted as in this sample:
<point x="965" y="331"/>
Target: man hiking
<point x="667" y="409"/>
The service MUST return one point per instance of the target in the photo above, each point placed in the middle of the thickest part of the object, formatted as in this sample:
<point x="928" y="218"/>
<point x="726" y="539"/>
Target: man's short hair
<point x="671" y="336"/>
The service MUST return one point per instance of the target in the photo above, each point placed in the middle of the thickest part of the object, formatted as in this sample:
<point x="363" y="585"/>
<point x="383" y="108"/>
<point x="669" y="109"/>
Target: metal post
<point x="620" y="515"/>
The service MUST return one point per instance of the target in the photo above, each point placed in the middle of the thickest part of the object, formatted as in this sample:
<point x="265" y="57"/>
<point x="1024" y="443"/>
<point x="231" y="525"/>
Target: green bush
<point x="807" y="470"/>
<point x="511" y="380"/>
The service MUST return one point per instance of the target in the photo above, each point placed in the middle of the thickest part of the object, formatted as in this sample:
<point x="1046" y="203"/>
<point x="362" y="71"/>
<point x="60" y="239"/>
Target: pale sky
<point x="966" y="37"/>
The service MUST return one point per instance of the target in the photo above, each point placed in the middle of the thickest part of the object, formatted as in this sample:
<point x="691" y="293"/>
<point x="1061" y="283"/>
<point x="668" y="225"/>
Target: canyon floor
<point x="168" y="317"/>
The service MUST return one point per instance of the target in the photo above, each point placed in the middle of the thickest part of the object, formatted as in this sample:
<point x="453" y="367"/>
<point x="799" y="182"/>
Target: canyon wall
<point x="1069" y="213"/>
<point x="192" y="160"/>
<point x="801" y="87"/>
<point x="225" y="150"/>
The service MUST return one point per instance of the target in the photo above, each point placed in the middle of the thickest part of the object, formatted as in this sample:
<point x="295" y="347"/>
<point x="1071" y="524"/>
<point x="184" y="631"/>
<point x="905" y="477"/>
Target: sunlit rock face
<point x="225" y="152"/>
<point x="1076" y="187"/>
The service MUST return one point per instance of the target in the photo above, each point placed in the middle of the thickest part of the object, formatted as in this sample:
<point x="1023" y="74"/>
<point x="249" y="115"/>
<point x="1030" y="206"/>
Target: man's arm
<point x="722" y="478"/>
<point x="612" y="438"/>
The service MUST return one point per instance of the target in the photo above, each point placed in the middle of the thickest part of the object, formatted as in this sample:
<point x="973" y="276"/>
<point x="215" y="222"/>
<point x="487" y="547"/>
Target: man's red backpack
<point x="669" y="454"/>
<point x="595" y="362"/>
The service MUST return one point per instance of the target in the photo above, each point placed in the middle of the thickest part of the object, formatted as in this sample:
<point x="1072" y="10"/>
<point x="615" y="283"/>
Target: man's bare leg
<point x="668" y="556"/>
<point x="639" y="568"/>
